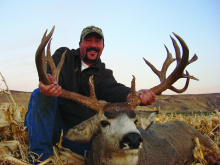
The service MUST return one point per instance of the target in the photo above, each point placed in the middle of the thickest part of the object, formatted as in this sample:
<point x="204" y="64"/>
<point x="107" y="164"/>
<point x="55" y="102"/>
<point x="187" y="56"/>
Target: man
<point x="47" y="115"/>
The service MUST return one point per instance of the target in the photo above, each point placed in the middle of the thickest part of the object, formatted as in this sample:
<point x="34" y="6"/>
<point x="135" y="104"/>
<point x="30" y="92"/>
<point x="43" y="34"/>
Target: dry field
<point x="167" y="103"/>
<point x="14" y="138"/>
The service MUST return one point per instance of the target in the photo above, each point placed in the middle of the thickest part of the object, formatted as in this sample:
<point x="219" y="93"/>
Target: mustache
<point x="92" y="48"/>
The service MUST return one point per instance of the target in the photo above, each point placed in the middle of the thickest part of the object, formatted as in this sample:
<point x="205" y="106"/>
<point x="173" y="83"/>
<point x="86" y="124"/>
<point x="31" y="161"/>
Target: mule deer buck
<point x="122" y="135"/>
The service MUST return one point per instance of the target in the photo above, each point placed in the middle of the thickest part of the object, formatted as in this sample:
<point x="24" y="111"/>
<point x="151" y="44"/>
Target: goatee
<point x="86" y="59"/>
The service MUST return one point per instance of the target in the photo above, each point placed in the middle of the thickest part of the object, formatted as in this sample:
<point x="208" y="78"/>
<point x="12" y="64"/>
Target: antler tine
<point x="43" y="53"/>
<point x="169" y="60"/>
<point x="92" y="88"/>
<point x="178" y="59"/>
<point x="184" y="88"/>
<point x="90" y="102"/>
<point x="49" y="60"/>
<point x="166" y="83"/>
<point x="40" y="60"/>
<point x="177" y="50"/>
<point x="193" y="59"/>
<point x="157" y="72"/>
<point x="162" y="74"/>
<point x="134" y="99"/>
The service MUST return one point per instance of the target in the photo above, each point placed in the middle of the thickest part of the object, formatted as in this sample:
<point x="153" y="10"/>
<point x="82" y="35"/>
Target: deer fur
<point x="169" y="143"/>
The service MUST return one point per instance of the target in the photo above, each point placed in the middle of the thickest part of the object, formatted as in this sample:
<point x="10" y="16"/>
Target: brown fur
<point x="169" y="143"/>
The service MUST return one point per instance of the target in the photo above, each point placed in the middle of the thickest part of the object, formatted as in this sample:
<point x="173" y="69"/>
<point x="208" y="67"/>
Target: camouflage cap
<point x="91" y="29"/>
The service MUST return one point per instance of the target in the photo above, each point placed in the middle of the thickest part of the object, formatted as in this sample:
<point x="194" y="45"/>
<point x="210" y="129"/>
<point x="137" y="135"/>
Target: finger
<point x="143" y="100"/>
<point x="60" y="92"/>
<point x="153" y="95"/>
<point x="140" y="92"/>
<point x="55" y="92"/>
<point x="50" y="90"/>
<point x="45" y="88"/>
<point x="52" y="79"/>
<point x="128" y="97"/>
<point x="147" y="98"/>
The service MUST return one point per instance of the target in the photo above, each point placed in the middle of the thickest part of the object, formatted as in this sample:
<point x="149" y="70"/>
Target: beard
<point x="86" y="59"/>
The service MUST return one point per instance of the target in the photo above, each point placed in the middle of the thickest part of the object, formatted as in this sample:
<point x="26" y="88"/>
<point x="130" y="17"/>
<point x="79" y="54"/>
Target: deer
<point x="120" y="133"/>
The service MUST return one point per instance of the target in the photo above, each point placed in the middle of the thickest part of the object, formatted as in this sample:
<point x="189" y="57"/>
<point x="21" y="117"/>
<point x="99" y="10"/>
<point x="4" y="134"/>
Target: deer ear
<point x="145" y="118"/>
<point x="84" y="131"/>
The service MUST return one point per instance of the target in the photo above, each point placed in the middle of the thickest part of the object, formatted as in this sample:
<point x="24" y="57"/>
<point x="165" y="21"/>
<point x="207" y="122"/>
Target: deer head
<point x="112" y="115"/>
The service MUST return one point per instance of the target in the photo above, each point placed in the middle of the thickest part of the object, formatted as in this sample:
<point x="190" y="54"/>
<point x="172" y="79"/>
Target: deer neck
<point x="100" y="154"/>
<point x="120" y="159"/>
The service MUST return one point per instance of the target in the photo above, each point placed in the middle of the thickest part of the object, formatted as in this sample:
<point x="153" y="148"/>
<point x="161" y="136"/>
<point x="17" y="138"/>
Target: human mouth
<point x="92" y="53"/>
<point x="92" y="50"/>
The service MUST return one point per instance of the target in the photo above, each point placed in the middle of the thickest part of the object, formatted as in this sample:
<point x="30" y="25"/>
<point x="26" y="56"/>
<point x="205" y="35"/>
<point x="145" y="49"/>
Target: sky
<point x="132" y="30"/>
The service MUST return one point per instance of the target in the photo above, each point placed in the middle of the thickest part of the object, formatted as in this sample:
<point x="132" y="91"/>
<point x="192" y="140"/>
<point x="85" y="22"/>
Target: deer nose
<point x="133" y="140"/>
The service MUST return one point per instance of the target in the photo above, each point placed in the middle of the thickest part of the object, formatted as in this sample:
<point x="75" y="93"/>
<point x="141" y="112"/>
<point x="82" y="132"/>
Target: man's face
<point x="91" y="48"/>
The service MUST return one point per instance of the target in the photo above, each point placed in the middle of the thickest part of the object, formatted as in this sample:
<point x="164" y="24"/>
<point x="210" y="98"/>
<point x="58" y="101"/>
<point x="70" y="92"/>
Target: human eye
<point x="98" y="40"/>
<point x="87" y="39"/>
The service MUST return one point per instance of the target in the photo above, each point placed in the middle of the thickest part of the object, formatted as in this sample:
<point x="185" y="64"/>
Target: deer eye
<point x="104" y="123"/>
<point x="136" y="121"/>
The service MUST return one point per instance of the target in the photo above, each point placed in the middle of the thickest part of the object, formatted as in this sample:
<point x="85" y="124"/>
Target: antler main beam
<point x="166" y="83"/>
<point x="41" y="60"/>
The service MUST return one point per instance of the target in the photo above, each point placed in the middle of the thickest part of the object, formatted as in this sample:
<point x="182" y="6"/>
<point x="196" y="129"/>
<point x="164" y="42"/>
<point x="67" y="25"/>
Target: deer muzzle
<point x="131" y="141"/>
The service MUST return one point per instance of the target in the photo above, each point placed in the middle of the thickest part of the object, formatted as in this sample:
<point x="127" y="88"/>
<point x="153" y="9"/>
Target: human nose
<point x="92" y="43"/>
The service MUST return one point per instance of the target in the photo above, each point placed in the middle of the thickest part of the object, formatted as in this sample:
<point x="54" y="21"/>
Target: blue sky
<point x="132" y="30"/>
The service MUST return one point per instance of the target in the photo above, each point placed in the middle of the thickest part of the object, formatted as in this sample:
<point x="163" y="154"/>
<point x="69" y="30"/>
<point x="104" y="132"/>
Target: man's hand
<point x="52" y="90"/>
<point x="147" y="96"/>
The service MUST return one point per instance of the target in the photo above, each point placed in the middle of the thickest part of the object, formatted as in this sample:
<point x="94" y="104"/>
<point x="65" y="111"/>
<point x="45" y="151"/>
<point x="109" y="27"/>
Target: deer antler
<point x="41" y="60"/>
<point x="166" y="83"/>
